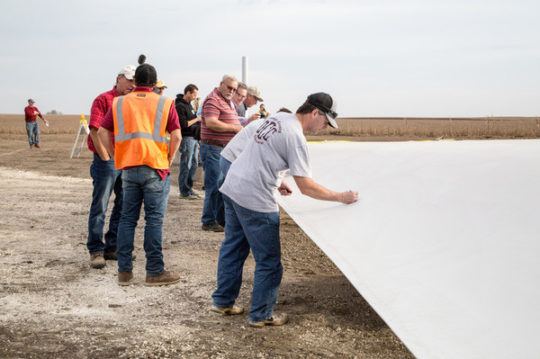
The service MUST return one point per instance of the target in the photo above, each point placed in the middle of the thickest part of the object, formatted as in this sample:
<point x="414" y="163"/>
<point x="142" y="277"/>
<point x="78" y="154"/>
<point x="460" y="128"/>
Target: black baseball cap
<point x="324" y="102"/>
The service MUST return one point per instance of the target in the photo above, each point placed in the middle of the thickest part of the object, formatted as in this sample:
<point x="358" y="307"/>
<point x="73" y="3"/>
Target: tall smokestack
<point x="244" y="69"/>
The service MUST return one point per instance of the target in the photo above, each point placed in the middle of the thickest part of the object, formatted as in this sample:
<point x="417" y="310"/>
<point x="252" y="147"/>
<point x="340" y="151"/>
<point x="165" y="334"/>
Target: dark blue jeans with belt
<point x="105" y="179"/>
<point x="244" y="230"/>
<point x="143" y="184"/>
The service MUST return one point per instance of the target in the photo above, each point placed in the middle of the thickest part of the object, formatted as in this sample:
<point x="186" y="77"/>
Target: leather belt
<point x="212" y="142"/>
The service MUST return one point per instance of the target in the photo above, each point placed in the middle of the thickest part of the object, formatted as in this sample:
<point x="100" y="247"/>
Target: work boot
<point x="164" y="278"/>
<point x="111" y="256"/>
<point x="37" y="145"/>
<point x="124" y="278"/>
<point x="234" y="310"/>
<point x="212" y="227"/>
<point x="275" y="320"/>
<point x="97" y="260"/>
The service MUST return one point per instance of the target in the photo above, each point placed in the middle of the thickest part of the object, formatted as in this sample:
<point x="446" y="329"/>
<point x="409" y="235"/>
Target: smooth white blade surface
<point x="443" y="242"/>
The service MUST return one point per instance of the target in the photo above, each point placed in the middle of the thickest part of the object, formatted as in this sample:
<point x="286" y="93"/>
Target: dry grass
<point x="486" y="127"/>
<point x="59" y="124"/>
<point x="505" y="127"/>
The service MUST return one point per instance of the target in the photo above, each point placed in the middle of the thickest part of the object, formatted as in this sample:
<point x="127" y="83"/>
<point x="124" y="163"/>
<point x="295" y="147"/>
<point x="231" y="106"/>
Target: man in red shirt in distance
<point x="105" y="177"/>
<point x="31" y="114"/>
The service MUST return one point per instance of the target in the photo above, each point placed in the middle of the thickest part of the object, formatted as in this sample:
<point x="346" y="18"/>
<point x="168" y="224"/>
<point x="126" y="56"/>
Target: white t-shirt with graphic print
<point x="240" y="140"/>
<point x="277" y="145"/>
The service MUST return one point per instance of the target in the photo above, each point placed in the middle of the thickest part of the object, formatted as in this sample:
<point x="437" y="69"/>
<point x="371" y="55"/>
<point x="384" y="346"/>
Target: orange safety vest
<point x="140" y="122"/>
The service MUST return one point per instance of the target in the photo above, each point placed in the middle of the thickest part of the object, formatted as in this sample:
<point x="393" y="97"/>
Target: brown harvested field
<point x="384" y="128"/>
<point x="486" y="127"/>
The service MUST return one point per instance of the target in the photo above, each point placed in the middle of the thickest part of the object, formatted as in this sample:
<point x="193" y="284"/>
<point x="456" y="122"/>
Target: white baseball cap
<point x="253" y="91"/>
<point x="128" y="72"/>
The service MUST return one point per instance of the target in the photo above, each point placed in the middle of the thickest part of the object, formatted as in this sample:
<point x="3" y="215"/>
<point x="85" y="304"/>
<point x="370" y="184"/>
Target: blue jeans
<point x="213" y="210"/>
<point x="105" y="179"/>
<point x="188" y="165"/>
<point x="32" y="130"/>
<point x="224" y="166"/>
<point x="245" y="229"/>
<point x="142" y="184"/>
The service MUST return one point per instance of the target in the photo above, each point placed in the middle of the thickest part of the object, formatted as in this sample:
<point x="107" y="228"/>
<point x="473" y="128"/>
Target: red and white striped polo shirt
<point x="215" y="105"/>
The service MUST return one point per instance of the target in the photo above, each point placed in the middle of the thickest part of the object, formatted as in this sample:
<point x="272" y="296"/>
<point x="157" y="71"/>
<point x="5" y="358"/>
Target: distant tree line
<point x="54" y="112"/>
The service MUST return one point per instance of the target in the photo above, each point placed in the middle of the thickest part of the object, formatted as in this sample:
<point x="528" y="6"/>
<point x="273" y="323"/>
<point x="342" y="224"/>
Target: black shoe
<point x="111" y="256"/>
<point x="212" y="227"/>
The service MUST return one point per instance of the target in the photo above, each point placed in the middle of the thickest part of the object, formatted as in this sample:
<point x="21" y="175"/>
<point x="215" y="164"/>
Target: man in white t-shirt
<point x="238" y="143"/>
<point x="251" y="210"/>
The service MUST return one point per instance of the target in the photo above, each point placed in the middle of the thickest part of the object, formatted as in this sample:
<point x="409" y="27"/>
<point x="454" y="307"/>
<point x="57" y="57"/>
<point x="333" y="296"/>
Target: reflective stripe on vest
<point x="123" y="136"/>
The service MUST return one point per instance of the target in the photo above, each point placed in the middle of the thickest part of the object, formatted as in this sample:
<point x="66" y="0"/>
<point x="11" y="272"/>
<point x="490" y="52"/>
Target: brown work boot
<point x="124" y="278"/>
<point x="234" y="310"/>
<point x="275" y="320"/>
<point x="164" y="278"/>
<point x="37" y="145"/>
<point x="97" y="260"/>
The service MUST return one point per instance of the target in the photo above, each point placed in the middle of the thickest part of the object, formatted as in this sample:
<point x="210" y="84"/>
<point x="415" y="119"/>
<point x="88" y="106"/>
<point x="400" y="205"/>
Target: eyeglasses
<point x="241" y="96"/>
<point x="325" y="117"/>
<point x="233" y="89"/>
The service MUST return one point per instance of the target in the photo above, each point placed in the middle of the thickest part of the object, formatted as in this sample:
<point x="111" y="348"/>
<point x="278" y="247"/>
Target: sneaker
<point x="164" y="278"/>
<point x="125" y="278"/>
<point x="111" y="256"/>
<point x="275" y="320"/>
<point x="97" y="260"/>
<point x="212" y="227"/>
<point x="191" y="196"/>
<point x="196" y="193"/>
<point x="37" y="145"/>
<point x="234" y="310"/>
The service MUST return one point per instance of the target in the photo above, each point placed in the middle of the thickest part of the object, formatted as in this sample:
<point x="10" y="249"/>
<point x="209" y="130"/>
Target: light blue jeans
<point x="142" y="184"/>
<point x="188" y="165"/>
<point x="32" y="130"/>
<point x="213" y="210"/>
<point x="245" y="229"/>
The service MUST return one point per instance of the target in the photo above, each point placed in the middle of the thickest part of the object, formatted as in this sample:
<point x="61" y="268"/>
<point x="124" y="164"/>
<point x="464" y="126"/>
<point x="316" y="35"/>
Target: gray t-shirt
<point x="278" y="144"/>
<point x="240" y="141"/>
<point x="241" y="110"/>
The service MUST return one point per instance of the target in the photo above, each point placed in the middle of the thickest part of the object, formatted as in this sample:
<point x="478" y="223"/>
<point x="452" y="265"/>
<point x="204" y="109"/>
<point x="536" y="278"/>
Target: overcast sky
<point x="376" y="58"/>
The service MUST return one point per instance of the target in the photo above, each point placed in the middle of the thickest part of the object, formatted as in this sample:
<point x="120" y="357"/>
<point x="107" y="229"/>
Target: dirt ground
<point x="53" y="305"/>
